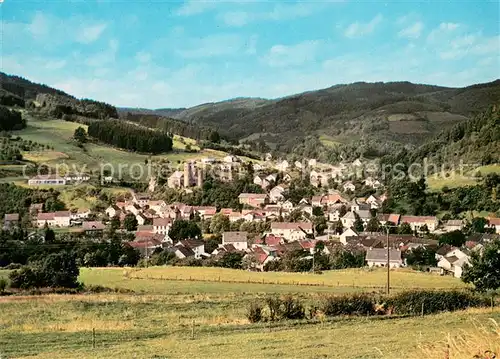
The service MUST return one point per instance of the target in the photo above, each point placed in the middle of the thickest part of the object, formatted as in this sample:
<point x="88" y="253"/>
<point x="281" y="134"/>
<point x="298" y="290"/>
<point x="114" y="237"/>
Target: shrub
<point x="254" y="314"/>
<point x="274" y="306"/>
<point x="433" y="301"/>
<point x="3" y="284"/>
<point x="354" y="304"/>
<point x="292" y="308"/>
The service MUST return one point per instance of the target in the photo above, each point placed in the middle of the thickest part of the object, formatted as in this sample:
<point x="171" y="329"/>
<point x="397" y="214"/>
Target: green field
<point x="199" y="319"/>
<point x="58" y="134"/>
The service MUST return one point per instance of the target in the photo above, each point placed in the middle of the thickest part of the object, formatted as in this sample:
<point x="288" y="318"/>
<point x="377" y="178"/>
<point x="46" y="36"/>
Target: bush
<point x="3" y="284"/>
<point x="292" y="309"/>
<point x="354" y="304"/>
<point x="410" y="303"/>
<point x="274" y="306"/>
<point x="13" y="266"/>
<point x="254" y="314"/>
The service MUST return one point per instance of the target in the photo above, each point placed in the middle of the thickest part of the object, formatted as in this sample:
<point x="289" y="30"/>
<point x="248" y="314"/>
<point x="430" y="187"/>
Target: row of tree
<point x="11" y="120"/>
<point x="130" y="137"/>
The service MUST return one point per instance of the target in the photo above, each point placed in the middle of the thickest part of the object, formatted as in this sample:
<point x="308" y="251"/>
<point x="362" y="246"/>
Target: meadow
<point x="199" y="319"/>
<point x="58" y="134"/>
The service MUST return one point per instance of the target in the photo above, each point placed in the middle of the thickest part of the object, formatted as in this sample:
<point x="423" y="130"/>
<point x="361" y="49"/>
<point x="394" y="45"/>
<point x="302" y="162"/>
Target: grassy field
<point x="198" y="319"/>
<point x="58" y="134"/>
<point x="351" y="278"/>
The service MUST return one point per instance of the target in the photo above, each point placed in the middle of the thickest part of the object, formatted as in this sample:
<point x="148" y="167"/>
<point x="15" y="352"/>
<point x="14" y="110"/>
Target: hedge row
<point x="404" y="303"/>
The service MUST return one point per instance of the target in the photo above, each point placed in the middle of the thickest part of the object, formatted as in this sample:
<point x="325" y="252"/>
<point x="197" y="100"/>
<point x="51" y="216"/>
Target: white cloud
<point x="210" y="46"/>
<point x="413" y="31"/>
<point x="90" y="33"/>
<point x="105" y="57"/>
<point x="143" y="57"/>
<point x="471" y="45"/>
<point x="292" y="55"/>
<point x="448" y="26"/>
<point x="444" y="29"/>
<point x="358" y="29"/>
<point x="39" y="26"/>
<point x="195" y="7"/>
<point x="279" y="12"/>
<point x="55" y="64"/>
<point x="251" y="45"/>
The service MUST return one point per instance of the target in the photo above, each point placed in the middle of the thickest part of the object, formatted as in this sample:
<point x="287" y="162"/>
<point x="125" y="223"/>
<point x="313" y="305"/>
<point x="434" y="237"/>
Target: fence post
<point x="192" y="330"/>
<point x="492" y="303"/>
<point x="423" y="308"/>
<point x="93" y="338"/>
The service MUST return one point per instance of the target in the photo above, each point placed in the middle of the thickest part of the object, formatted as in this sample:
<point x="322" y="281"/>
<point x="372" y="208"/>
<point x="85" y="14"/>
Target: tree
<point x="115" y="222"/>
<point x="182" y="229"/>
<point x="421" y="256"/>
<point x="318" y="211"/>
<point x="212" y="244"/>
<point x="358" y="224"/>
<point x="453" y="238"/>
<point x="231" y="260"/>
<point x="220" y="223"/>
<point x="373" y="225"/>
<point x="405" y="228"/>
<point x="130" y="222"/>
<point x="49" y="235"/>
<point x="320" y="225"/>
<point x="80" y="135"/>
<point x="484" y="268"/>
<point x="338" y="227"/>
<point x="214" y="137"/>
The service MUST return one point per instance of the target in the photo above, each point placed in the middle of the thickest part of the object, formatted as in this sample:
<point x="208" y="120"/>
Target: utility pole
<point x="388" y="264"/>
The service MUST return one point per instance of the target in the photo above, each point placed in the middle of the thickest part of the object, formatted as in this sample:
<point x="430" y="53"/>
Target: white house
<point x="287" y="205"/>
<point x="238" y="239"/>
<point x="133" y="208"/>
<point x="197" y="246"/>
<point x="495" y="222"/>
<point x="348" y="233"/>
<point x="276" y="194"/>
<point x="112" y="211"/>
<point x="417" y="222"/>
<point x="453" y="225"/>
<point x="54" y="219"/>
<point x="52" y="180"/>
<point x="377" y="257"/>
<point x="292" y="231"/>
<point x="162" y="225"/>
<point x="349" y="186"/>
<point x="454" y="262"/>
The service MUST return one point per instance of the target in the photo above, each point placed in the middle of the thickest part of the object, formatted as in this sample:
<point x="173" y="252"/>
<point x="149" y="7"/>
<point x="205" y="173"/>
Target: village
<point x="349" y="223"/>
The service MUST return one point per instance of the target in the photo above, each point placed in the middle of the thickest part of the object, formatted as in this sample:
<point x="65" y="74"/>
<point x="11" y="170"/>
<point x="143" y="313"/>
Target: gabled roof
<point x="494" y="221"/>
<point x="418" y="219"/>
<point x="11" y="217"/>
<point x="186" y="251"/>
<point x="380" y="255"/>
<point x="45" y="216"/>
<point x="191" y="243"/>
<point x="161" y="222"/>
<point x="234" y="237"/>
<point x="291" y="225"/>
<point x="253" y="195"/>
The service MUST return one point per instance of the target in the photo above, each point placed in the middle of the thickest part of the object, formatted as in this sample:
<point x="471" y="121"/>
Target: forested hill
<point x="475" y="141"/>
<point x="17" y="91"/>
<point x="396" y="111"/>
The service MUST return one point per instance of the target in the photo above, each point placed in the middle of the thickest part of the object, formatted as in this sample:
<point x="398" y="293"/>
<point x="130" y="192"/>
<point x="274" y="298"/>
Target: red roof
<point x="394" y="218"/>
<point x="307" y="244"/>
<point x="272" y="240"/>
<point x="494" y="221"/>
<point x="161" y="222"/>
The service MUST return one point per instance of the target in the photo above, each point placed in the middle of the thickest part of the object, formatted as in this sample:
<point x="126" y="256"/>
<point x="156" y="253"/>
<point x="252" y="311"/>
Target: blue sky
<point x="175" y="54"/>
